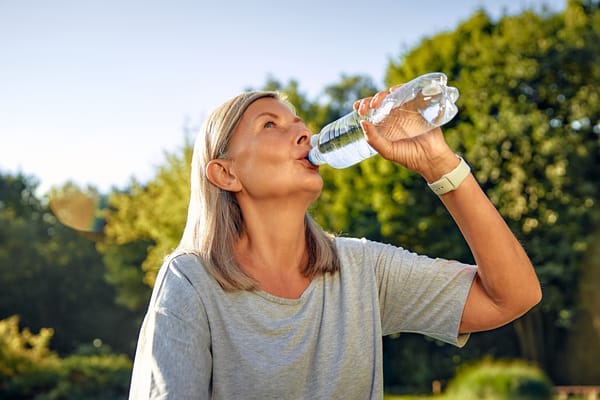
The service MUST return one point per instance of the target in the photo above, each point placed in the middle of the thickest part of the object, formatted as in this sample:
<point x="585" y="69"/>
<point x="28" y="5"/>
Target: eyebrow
<point x="266" y="113"/>
<point x="273" y="115"/>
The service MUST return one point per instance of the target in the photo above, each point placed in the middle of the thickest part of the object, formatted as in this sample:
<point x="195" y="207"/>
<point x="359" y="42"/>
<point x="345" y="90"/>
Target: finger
<point x="396" y="87"/>
<point x="378" y="98"/>
<point x="356" y="105"/>
<point x="362" y="106"/>
<point x="377" y="141"/>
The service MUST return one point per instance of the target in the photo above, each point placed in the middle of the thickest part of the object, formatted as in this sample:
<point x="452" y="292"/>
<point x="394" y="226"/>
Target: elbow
<point x="530" y="296"/>
<point x="522" y="300"/>
<point x="528" y="292"/>
<point x="536" y="295"/>
<point x="509" y="311"/>
<point x="534" y="289"/>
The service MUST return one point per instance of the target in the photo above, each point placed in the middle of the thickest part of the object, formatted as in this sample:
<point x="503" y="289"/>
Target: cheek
<point x="264" y="159"/>
<point x="260" y="170"/>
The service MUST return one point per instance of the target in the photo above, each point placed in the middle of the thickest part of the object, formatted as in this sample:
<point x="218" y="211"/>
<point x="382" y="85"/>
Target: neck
<point x="274" y="240"/>
<point x="272" y="249"/>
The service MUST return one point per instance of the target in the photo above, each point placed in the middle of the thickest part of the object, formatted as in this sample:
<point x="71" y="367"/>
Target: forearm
<point x="506" y="285"/>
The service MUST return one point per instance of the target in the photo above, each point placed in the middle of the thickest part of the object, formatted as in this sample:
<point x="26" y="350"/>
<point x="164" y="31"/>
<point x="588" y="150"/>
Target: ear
<point x="219" y="173"/>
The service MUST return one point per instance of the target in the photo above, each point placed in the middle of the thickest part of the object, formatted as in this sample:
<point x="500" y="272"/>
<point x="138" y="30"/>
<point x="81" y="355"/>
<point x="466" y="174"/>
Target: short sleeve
<point x="420" y="294"/>
<point x="173" y="357"/>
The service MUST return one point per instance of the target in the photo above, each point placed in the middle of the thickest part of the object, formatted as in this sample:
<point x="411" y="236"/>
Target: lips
<point x="306" y="161"/>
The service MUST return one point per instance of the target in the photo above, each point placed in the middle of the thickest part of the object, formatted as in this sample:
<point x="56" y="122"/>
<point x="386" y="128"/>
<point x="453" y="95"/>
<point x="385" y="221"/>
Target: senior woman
<point x="258" y="302"/>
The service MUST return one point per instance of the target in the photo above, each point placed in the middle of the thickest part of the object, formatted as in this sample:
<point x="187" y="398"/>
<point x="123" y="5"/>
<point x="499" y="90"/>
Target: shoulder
<point x="346" y="245"/>
<point x="361" y="248"/>
<point x="181" y="278"/>
<point x="362" y="255"/>
<point x="186" y="265"/>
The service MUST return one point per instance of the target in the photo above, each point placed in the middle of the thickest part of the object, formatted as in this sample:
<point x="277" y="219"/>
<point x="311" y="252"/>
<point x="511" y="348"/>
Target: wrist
<point x="433" y="168"/>
<point x="452" y="179"/>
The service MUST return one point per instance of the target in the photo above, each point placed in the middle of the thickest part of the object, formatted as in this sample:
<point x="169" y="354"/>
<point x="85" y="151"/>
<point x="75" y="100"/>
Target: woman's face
<point x="269" y="151"/>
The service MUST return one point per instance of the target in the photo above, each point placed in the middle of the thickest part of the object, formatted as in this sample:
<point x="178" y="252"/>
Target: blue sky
<point x="95" y="91"/>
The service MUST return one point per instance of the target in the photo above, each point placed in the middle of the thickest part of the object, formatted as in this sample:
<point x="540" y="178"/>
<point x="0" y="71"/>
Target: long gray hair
<point x="215" y="221"/>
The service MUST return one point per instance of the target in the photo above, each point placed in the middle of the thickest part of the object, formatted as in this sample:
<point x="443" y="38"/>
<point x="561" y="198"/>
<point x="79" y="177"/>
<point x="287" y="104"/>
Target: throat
<point x="277" y="268"/>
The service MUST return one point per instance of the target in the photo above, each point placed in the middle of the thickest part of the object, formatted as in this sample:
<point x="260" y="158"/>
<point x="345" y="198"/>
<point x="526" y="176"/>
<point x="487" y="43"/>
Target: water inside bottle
<point x="343" y="142"/>
<point x="409" y="111"/>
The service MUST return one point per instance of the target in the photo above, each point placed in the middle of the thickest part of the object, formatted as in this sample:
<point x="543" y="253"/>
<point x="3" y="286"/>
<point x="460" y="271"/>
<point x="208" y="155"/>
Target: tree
<point x="52" y="276"/>
<point x="30" y="370"/>
<point x="339" y="209"/>
<point x="528" y="124"/>
<point x="150" y="216"/>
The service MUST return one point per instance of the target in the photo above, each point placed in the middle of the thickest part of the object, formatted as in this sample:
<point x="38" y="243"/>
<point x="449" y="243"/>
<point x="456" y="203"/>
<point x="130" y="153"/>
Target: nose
<point x="303" y="135"/>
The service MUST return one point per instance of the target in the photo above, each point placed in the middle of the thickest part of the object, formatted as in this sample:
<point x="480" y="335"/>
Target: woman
<point x="258" y="302"/>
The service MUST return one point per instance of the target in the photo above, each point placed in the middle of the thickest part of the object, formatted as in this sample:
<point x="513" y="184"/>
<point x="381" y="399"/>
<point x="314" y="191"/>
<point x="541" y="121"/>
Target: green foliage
<point x="98" y="377"/>
<point x="412" y="361"/>
<point x="53" y="276"/>
<point x="123" y="272"/>
<point x="25" y="354"/>
<point x="153" y="214"/>
<point x="528" y="110"/>
<point x="529" y="125"/>
<point x="499" y="380"/>
<point x="29" y="370"/>
<point x="338" y="209"/>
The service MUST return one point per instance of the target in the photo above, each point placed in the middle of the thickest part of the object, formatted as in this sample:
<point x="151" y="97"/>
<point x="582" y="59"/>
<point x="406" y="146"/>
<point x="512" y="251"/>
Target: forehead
<point x="254" y="116"/>
<point x="266" y="105"/>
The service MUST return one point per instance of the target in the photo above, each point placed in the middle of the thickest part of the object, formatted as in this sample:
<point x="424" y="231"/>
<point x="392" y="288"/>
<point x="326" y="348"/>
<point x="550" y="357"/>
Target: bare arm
<point x="506" y="285"/>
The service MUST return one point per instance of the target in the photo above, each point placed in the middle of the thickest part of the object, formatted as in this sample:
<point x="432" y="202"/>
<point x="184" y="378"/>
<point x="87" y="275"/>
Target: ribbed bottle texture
<point x="412" y="109"/>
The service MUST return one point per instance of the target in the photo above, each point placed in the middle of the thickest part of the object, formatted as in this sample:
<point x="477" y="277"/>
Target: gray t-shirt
<point x="201" y="342"/>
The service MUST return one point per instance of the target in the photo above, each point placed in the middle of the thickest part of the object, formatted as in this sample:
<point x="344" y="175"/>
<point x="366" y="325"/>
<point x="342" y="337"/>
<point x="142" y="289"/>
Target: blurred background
<point x="99" y="106"/>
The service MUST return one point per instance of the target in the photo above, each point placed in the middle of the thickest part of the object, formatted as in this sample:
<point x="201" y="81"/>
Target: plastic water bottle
<point x="410" y="110"/>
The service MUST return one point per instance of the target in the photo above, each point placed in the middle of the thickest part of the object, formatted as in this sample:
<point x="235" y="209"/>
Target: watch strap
<point x="452" y="180"/>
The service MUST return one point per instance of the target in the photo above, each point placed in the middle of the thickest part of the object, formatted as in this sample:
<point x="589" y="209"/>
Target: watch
<point x="452" y="180"/>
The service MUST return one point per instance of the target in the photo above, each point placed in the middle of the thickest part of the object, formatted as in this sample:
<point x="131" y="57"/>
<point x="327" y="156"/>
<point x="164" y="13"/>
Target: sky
<point x="96" y="92"/>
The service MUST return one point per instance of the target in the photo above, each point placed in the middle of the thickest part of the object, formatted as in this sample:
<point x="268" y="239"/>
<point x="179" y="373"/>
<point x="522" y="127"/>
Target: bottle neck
<point x="315" y="157"/>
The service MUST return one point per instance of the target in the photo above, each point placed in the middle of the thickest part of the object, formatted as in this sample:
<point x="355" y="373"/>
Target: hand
<point x="394" y="139"/>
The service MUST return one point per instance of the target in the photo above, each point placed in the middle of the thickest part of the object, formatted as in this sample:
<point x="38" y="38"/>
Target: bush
<point x="499" y="380"/>
<point x="96" y="377"/>
<point x="27" y="366"/>
<point x="29" y="370"/>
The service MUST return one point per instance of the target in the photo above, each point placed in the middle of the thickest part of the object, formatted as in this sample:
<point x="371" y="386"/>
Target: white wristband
<point x="452" y="180"/>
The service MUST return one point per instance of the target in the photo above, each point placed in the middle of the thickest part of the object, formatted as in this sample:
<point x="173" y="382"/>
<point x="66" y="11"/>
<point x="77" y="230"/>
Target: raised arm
<point x="506" y="285"/>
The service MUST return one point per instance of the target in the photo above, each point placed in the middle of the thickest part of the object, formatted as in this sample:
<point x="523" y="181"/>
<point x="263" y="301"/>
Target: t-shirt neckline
<point x="286" y="300"/>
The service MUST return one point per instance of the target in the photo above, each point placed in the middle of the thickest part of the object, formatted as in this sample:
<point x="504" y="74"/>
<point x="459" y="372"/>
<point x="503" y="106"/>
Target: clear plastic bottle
<point x="410" y="110"/>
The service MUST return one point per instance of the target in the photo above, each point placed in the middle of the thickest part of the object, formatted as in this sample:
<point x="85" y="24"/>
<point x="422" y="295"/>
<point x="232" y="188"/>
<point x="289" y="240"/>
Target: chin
<point x="317" y="192"/>
<point x="318" y="184"/>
